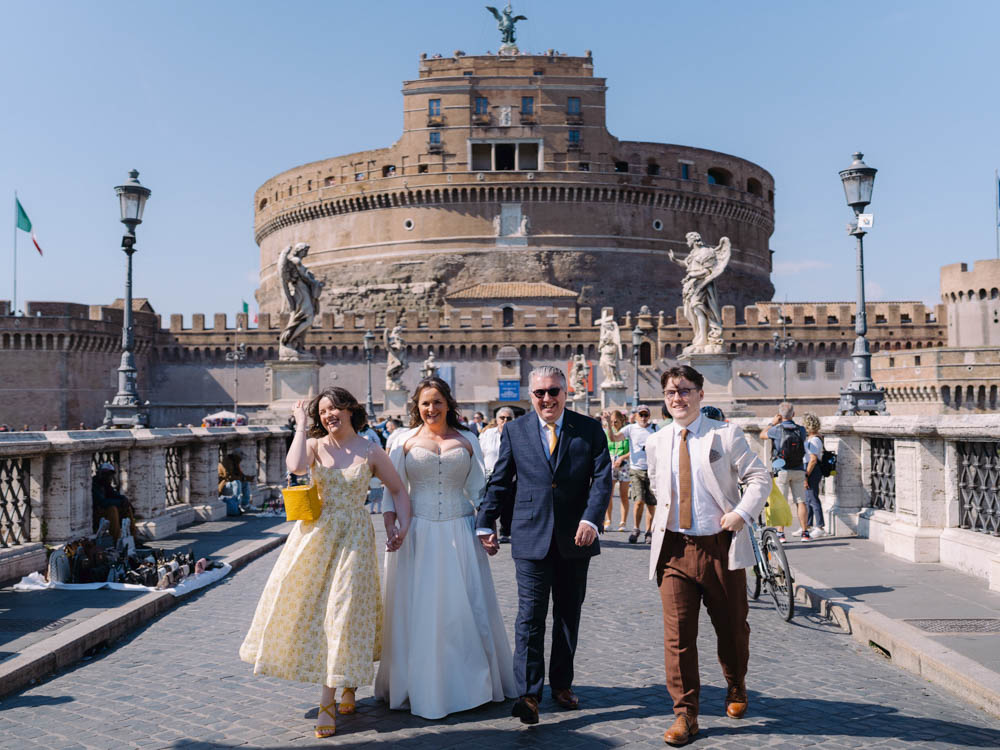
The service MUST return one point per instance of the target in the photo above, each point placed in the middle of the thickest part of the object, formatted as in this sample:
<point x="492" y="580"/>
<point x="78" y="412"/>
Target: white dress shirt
<point x="706" y="514"/>
<point x="489" y="441"/>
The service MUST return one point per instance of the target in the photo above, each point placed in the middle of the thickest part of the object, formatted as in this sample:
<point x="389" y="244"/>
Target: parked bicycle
<point x="772" y="572"/>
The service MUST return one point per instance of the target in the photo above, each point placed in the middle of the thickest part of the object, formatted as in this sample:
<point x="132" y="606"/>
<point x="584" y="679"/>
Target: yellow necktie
<point x="552" y="437"/>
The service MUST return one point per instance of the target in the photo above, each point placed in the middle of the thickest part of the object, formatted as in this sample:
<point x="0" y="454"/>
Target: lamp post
<point x="369" y="340"/>
<point x="861" y="395"/>
<point x="237" y="355"/>
<point x="636" y="343"/>
<point x="126" y="410"/>
<point x="782" y="343"/>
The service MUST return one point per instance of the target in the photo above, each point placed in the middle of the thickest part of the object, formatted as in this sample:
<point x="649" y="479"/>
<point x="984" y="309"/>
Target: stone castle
<point x="496" y="231"/>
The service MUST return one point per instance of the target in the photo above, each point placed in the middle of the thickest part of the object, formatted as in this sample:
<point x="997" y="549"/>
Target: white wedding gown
<point x="444" y="646"/>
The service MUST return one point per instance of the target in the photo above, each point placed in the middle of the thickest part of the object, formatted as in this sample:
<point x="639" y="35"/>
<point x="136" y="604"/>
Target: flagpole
<point x="996" y="209"/>
<point x="13" y="302"/>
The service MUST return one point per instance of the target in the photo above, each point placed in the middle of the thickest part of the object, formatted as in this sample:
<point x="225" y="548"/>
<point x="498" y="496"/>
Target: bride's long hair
<point x="441" y="387"/>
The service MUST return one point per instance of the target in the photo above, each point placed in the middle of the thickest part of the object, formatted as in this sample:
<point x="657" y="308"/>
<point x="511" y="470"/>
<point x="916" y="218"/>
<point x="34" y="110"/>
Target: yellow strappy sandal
<point x="326" y="730"/>
<point x="346" y="706"/>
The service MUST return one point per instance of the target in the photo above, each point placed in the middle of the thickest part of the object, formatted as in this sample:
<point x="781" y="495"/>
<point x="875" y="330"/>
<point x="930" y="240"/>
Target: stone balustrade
<point x="926" y="488"/>
<point x="169" y="475"/>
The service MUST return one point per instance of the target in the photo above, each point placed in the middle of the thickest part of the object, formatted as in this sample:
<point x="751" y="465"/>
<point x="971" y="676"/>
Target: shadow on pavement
<point x="768" y="716"/>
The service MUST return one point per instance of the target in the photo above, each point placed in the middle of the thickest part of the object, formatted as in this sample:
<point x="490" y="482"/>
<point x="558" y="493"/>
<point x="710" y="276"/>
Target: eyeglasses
<point x="682" y="392"/>
<point x="504" y="418"/>
<point x="552" y="392"/>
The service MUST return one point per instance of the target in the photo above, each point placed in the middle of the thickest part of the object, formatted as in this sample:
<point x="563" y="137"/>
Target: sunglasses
<point x="504" y="419"/>
<point x="552" y="392"/>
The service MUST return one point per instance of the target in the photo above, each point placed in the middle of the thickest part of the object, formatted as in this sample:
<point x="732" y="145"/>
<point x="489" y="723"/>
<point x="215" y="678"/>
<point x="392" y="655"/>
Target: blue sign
<point x="510" y="390"/>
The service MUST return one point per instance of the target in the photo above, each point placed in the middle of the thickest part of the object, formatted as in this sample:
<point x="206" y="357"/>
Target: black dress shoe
<point x="526" y="709"/>
<point x="566" y="698"/>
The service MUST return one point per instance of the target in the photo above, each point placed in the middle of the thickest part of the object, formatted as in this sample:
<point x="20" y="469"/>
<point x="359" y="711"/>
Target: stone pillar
<point x="57" y="511"/>
<point x="845" y="495"/>
<point x="276" y="461"/>
<point x="921" y="506"/>
<point x="395" y="403"/>
<point x="614" y="397"/>
<point x="148" y="492"/>
<point x="203" y="473"/>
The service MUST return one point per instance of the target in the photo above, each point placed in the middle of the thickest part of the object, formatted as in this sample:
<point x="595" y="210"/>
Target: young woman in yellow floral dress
<point x="319" y="618"/>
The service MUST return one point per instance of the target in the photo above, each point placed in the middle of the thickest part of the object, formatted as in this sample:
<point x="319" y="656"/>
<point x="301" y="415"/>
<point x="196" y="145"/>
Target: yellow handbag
<point x="302" y="503"/>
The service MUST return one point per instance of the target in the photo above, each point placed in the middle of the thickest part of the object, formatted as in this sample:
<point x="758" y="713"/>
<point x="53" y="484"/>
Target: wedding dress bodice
<point x="437" y="482"/>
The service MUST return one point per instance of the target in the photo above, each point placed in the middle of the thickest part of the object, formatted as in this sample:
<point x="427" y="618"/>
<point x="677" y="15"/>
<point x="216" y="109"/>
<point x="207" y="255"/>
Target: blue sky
<point x="210" y="99"/>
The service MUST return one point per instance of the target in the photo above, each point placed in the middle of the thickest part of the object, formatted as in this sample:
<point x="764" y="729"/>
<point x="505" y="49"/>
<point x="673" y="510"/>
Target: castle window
<point x="289" y="189"/>
<point x="652" y="169"/>
<point x="389" y="170"/>
<point x="685" y="171"/>
<point x="574" y="137"/>
<point x="504" y="155"/>
<point x="905" y="318"/>
<point x="435" y="137"/>
<point x="539" y="72"/>
<point x="718" y="176"/>
<point x="770" y="197"/>
<point x="754" y="187"/>
<point x="309" y="185"/>
<point x="482" y="105"/>
<point x="263" y="202"/>
<point x="802" y="367"/>
<point x="831" y="366"/>
<point x="527" y="156"/>
<point x="810" y="320"/>
<point x="434" y="107"/>
<point x="583" y="166"/>
<point x="573" y="105"/>
<point x="916" y="361"/>
<point x="621" y="166"/>
<point x="527" y="105"/>
<point x="508" y="317"/>
<point x="359" y="176"/>
<point x="329" y="181"/>
<point x="831" y="320"/>
<point x="645" y="353"/>
<point x="421" y="169"/>
<point x="466" y="72"/>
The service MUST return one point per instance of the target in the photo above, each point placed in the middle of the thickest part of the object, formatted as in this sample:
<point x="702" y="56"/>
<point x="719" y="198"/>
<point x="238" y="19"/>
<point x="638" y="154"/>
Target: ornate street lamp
<point x="783" y="343"/>
<point x="636" y="343"/>
<point x="861" y="395"/>
<point x="126" y="410"/>
<point x="237" y="355"/>
<point x="369" y="340"/>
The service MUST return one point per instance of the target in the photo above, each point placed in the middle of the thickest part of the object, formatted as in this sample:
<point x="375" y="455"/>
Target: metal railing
<point x="15" y="502"/>
<point x="979" y="486"/>
<point x="883" y="474"/>
<point x="174" y="475"/>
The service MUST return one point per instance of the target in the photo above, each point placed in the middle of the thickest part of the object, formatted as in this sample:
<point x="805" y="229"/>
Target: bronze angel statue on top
<point x="701" y="302"/>
<point x="506" y="22"/>
<point x="301" y="291"/>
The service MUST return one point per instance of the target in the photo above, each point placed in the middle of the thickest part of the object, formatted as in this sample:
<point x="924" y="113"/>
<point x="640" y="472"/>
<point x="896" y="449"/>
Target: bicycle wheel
<point x="753" y="583"/>
<point x="780" y="581"/>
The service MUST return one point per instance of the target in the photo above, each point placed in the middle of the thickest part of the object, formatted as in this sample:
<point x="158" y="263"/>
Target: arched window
<point x="645" y="353"/>
<point x="755" y="188"/>
<point x="508" y="317"/>
<point x="719" y="176"/>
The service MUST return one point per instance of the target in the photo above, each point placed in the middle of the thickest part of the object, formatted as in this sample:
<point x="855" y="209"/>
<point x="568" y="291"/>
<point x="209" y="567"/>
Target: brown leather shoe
<point x="526" y="709"/>
<point x="566" y="698"/>
<point x="736" y="701"/>
<point x="682" y="730"/>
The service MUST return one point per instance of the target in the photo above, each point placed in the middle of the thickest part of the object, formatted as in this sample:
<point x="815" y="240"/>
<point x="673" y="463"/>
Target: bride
<point x="444" y="645"/>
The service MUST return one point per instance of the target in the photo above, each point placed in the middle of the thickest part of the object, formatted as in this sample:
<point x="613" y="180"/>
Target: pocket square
<point x="714" y="455"/>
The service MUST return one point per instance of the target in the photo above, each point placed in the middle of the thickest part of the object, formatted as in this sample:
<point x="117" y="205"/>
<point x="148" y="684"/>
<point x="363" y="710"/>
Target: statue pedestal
<point x="291" y="380"/>
<point x="395" y="405"/>
<point x="579" y="405"/>
<point x="614" y="397"/>
<point x="717" y="369"/>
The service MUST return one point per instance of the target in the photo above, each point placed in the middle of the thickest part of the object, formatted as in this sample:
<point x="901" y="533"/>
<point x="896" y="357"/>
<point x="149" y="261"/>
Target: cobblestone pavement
<point x="177" y="682"/>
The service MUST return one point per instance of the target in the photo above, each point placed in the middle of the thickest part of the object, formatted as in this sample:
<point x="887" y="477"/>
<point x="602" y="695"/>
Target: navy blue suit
<point x="549" y="496"/>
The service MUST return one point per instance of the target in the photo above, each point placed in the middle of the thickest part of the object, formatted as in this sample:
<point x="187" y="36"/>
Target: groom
<point x="554" y="471"/>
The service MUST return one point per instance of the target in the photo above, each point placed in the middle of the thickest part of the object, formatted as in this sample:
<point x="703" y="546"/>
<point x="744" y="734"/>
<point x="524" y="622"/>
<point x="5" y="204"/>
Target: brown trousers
<point x="692" y="569"/>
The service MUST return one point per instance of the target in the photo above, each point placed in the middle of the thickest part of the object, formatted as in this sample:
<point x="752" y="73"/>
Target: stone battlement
<point x="959" y="284"/>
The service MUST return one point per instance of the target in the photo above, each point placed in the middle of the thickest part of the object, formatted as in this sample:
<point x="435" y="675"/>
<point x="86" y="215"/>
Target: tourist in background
<point x="812" y="520"/>
<point x="478" y="423"/>
<point x="489" y="441"/>
<point x="788" y="451"/>
<point x="637" y="434"/>
<point x="234" y="489"/>
<point x="613" y="422"/>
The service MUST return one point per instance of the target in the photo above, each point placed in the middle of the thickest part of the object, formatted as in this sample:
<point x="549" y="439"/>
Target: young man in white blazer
<point x="701" y="544"/>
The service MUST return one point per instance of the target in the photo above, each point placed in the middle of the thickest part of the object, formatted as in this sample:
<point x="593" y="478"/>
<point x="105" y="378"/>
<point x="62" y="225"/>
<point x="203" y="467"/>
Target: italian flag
<point x="24" y="223"/>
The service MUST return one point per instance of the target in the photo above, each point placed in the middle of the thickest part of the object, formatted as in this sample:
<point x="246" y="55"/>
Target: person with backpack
<point x="813" y="466"/>
<point x="788" y="451"/>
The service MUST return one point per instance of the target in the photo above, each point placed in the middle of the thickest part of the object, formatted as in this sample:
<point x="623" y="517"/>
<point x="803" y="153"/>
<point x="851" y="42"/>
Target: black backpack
<point x="828" y="463"/>
<point x="792" y="448"/>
